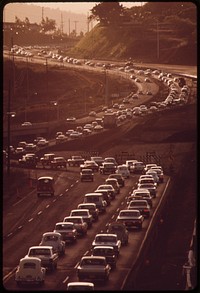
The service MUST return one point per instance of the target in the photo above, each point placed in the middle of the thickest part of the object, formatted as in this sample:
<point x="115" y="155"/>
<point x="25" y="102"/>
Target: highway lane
<point x="54" y="210"/>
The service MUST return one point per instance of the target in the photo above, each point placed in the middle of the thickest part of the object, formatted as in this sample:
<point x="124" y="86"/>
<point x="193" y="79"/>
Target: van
<point x="45" y="186"/>
<point x="96" y="198"/>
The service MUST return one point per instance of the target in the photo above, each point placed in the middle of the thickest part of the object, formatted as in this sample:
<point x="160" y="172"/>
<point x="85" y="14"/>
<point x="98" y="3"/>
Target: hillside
<point x="138" y="43"/>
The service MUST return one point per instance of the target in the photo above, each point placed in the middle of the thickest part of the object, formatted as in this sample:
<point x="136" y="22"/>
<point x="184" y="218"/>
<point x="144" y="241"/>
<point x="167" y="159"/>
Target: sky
<point x="79" y="7"/>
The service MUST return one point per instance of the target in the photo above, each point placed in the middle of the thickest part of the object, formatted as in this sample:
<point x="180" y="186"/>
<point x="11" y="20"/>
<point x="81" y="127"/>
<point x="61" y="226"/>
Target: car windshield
<point x="39" y="251"/>
<point x="75" y="220"/>
<point x="29" y="265"/>
<point x="129" y="214"/>
<point x="51" y="238"/>
<point x="64" y="227"/>
<point x="105" y="239"/>
<point x="94" y="262"/>
<point x="103" y="251"/>
<point x="81" y="213"/>
<point x="137" y="203"/>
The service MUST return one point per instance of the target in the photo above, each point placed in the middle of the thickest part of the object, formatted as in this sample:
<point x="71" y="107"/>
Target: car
<point x="137" y="167"/>
<point x="106" y="195"/>
<point x="90" y="165"/>
<point x="92" y="209"/>
<point x="45" y="186"/>
<point x="109" y="187"/>
<point x="96" y="198"/>
<point x="108" y="252"/>
<point x="31" y="147"/>
<point x="75" y="135"/>
<point x="53" y="239"/>
<point x="84" y="213"/>
<point x="114" y="183"/>
<point x="98" y="160"/>
<point x="130" y="163"/>
<point x="141" y="205"/>
<point x="107" y="168"/>
<point x="28" y="160"/>
<point x="148" y="166"/>
<point x="141" y="194"/>
<point x="42" y="142"/>
<point x="123" y="170"/>
<point x="130" y="218"/>
<point x="119" y="178"/>
<point x="120" y="230"/>
<point x="75" y="161"/>
<point x="67" y="230"/>
<point x="93" y="268"/>
<point x="70" y="119"/>
<point x="98" y="128"/>
<point x="46" y="159"/>
<point x="58" y="162"/>
<point x="110" y="160"/>
<point x="80" y="286"/>
<point x="146" y="181"/>
<point x="61" y="138"/>
<point x="37" y="139"/>
<point x="151" y="187"/>
<point x="86" y="175"/>
<point x="49" y="258"/>
<point x="30" y="272"/>
<point x="26" y="123"/>
<point x="92" y="114"/>
<point x="159" y="172"/>
<point x="80" y="225"/>
<point x="107" y="239"/>
<point x="154" y="174"/>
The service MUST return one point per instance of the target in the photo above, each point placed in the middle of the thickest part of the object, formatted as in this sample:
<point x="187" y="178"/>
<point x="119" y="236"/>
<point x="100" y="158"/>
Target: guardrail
<point x="189" y="268"/>
<point x="149" y="239"/>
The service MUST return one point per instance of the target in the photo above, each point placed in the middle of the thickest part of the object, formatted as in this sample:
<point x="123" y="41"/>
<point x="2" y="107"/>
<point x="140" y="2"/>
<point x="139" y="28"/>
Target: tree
<point x="48" y="25"/>
<point x="107" y="12"/>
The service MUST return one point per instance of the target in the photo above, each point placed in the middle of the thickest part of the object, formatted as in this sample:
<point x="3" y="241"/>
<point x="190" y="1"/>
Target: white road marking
<point x="65" y="280"/>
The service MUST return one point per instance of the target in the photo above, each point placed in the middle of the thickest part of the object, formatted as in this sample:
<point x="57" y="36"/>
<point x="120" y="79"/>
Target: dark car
<point x="105" y="194"/>
<point x="120" y="230"/>
<point x="28" y="160"/>
<point x="107" y="168"/>
<point x="92" y="209"/>
<point x="119" y="178"/>
<point x="141" y="205"/>
<point x="108" y="252"/>
<point x="86" y="175"/>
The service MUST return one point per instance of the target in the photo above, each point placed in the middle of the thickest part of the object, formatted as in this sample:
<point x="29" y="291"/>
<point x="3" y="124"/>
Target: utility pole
<point x="158" y="40"/>
<point x="61" y="25"/>
<point x="75" y="22"/>
<point x="42" y="13"/>
<point x="88" y="22"/>
<point x="69" y="25"/>
<point x="27" y="88"/>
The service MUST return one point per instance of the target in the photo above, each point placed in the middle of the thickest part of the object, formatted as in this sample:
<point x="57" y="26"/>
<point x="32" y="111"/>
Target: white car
<point x="30" y="271"/>
<point x="123" y="170"/>
<point x="53" y="239"/>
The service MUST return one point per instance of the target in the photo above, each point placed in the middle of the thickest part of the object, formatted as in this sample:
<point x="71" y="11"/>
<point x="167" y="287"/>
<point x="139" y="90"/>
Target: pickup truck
<point x="107" y="239"/>
<point x="130" y="218"/>
<point x="48" y="258"/>
<point x="93" y="268"/>
<point x="75" y="161"/>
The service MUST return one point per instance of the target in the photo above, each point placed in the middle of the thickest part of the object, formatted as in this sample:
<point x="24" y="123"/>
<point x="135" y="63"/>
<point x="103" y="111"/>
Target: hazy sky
<point x="79" y="7"/>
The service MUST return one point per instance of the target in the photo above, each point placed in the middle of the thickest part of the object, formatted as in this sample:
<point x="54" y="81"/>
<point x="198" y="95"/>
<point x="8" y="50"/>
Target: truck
<point x="48" y="257"/>
<point x="75" y="161"/>
<point x="109" y="120"/>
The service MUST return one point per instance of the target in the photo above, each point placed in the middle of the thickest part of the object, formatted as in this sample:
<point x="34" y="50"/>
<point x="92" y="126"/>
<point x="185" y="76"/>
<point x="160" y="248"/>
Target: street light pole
<point x="158" y="40"/>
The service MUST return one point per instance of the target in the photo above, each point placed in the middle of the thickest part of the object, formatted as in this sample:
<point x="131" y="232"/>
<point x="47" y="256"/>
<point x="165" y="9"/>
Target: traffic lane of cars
<point x="127" y="253"/>
<point x="47" y="221"/>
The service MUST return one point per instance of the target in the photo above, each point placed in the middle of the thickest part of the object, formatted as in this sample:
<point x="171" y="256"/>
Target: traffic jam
<point x="100" y="261"/>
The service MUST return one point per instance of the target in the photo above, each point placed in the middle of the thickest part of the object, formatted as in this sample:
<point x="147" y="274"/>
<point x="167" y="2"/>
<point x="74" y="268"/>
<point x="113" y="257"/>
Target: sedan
<point x="26" y="123"/>
<point x="141" y="205"/>
<point x="108" y="187"/>
<point x="80" y="225"/>
<point x="130" y="218"/>
<point x="93" y="268"/>
<point x="108" y="240"/>
<point x="150" y="187"/>
<point x="42" y="142"/>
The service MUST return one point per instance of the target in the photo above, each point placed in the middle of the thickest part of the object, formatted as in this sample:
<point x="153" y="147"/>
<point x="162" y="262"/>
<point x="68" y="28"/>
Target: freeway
<point x="40" y="215"/>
